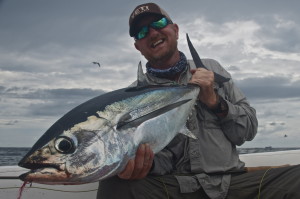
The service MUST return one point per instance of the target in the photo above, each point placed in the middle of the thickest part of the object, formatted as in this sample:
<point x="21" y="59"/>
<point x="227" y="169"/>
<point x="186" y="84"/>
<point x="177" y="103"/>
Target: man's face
<point x="159" y="45"/>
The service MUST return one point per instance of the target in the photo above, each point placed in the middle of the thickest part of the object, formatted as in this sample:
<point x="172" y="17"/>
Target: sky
<point x="47" y="49"/>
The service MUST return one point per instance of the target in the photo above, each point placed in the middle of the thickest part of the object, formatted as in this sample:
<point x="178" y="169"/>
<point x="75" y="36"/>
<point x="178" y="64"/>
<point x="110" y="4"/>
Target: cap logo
<point x="139" y="11"/>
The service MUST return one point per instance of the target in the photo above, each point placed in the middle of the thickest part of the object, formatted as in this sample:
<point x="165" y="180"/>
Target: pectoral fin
<point x="129" y="121"/>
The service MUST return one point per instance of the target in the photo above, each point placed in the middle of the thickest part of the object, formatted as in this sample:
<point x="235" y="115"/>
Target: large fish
<point x="96" y="139"/>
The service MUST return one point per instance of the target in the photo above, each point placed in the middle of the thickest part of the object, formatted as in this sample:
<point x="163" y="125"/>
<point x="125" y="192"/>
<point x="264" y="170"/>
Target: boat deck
<point x="9" y="185"/>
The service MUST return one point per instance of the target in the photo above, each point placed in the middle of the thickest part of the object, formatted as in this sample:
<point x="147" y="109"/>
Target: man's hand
<point x="205" y="80"/>
<point x="140" y="166"/>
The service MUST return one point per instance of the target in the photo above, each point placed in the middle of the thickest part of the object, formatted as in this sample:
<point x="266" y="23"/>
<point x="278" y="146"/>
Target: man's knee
<point x="118" y="188"/>
<point x="114" y="188"/>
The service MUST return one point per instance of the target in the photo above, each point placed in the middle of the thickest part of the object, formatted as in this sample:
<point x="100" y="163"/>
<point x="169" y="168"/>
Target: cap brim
<point x="132" y="29"/>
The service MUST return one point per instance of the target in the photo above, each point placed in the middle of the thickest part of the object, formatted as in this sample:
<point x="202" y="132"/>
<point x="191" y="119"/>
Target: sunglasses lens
<point x="163" y="22"/>
<point x="142" y="33"/>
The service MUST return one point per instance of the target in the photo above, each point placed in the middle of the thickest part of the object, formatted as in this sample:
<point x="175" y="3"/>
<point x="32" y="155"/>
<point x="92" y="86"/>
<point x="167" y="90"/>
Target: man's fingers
<point x="140" y="156"/>
<point x="141" y="165"/>
<point x="148" y="161"/>
<point x="148" y="158"/>
<point x="127" y="172"/>
<point x="193" y="71"/>
<point x="139" y="161"/>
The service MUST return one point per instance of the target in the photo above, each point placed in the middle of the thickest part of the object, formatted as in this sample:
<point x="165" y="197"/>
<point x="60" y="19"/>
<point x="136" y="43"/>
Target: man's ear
<point x="176" y="29"/>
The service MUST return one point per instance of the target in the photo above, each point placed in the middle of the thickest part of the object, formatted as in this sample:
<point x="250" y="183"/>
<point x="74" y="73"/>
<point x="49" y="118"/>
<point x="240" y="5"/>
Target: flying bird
<point x="96" y="63"/>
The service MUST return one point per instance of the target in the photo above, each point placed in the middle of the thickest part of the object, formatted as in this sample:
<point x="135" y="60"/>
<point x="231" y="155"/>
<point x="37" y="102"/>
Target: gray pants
<point x="280" y="183"/>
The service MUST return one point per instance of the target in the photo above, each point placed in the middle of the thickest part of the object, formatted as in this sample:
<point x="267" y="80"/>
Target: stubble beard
<point x="161" y="59"/>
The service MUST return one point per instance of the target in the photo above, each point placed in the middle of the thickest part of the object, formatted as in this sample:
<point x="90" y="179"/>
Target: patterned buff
<point x="177" y="68"/>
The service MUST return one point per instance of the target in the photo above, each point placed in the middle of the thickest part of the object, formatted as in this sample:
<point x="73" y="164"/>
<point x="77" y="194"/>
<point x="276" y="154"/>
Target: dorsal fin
<point x="218" y="78"/>
<point x="195" y="55"/>
<point x="140" y="76"/>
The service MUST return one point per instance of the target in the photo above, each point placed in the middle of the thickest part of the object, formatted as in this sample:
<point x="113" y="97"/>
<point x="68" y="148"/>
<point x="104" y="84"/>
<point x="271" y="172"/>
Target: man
<point x="207" y="167"/>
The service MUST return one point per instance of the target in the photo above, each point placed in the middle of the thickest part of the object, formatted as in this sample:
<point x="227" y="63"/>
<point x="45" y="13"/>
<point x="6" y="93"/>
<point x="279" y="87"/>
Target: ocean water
<point x="12" y="155"/>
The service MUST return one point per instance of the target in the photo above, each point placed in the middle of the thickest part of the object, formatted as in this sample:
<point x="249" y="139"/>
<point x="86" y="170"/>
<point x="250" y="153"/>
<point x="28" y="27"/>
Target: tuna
<point x="96" y="139"/>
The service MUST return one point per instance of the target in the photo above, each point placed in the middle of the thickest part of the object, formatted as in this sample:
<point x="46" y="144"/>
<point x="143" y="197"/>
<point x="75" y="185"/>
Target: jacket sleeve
<point x="171" y="157"/>
<point x="162" y="163"/>
<point x="240" y="124"/>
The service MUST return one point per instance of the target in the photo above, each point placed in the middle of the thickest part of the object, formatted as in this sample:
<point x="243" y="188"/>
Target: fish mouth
<point x="40" y="166"/>
<point x="44" y="173"/>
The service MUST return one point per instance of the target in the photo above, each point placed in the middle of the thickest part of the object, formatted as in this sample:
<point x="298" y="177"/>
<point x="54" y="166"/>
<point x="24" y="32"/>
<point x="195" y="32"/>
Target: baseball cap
<point x="142" y="10"/>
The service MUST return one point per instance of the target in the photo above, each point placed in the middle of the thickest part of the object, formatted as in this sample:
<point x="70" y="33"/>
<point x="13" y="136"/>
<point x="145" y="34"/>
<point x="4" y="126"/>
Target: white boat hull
<point x="9" y="188"/>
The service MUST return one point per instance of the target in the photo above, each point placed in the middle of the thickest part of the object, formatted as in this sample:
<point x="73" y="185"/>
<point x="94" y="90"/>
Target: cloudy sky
<point x="47" y="49"/>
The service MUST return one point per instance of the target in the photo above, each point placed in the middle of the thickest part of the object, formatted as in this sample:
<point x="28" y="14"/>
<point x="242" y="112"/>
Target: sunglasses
<point x="163" y="22"/>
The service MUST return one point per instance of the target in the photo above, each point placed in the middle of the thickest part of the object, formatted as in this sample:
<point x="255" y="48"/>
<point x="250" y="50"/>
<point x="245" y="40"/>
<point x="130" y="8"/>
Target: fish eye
<point x="64" y="145"/>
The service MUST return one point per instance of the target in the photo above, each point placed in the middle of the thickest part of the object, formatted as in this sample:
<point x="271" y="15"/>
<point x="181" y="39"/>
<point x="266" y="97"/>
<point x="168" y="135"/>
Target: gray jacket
<point x="207" y="161"/>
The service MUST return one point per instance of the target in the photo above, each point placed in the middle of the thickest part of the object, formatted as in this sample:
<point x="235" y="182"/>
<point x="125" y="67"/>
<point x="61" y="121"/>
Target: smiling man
<point x="206" y="167"/>
<point x="160" y="49"/>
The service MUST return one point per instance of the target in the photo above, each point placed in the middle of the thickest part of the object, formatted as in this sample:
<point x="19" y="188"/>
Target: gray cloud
<point x="48" y="102"/>
<point x="273" y="127"/>
<point x="52" y="108"/>
<point x="233" y="68"/>
<point x="72" y="24"/>
<point x="280" y="34"/>
<point x="269" y="87"/>
<point x="61" y="93"/>
<point x="11" y="122"/>
<point x="274" y="123"/>
<point x="47" y="48"/>
<point x="59" y="101"/>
